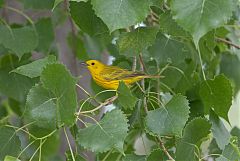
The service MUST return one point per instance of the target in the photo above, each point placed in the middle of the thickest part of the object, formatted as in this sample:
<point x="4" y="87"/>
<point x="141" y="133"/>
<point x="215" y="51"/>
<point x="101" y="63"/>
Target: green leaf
<point x="113" y="156"/>
<point x="236" y="132"/>
<point x="170" y="26"/>
<point x="180" y="56"/>
<point x="36" y="4"/>
<point x="84" y="16"/>
<point x="156" y="155"/>
<point x="125" y="97"/>
<point x="77" y="157"/>
<point x="220" y="132"/>
<point x="193" y="134"/>
<point x="10" y="158"/>
<point x="170" y="119"/>
<point x="45" y="32"/>
<point x="1" y="3"/>
<point x="19" y="40"/>
<point x="217" y="94"/>
<point x="166" y="50"/>
<point x="35" y="68"/>
<point x="230" y="153"/>
<point x="121" y="14"/>
<point x="200" y="16"/>
<point x="41" y="109"/>
<point x="133" y="157"/>
<point x="9" y="141"/>
<point x="12" y="84"/>
<point x="77" y="45"/>
<point x="157" y="3"/>
<point x="229" y="62"/>
<point x="109" y="133"/>
<point x="56" y="2"/>
<point x="57" y="79"/>
<point x="133" y="43"/>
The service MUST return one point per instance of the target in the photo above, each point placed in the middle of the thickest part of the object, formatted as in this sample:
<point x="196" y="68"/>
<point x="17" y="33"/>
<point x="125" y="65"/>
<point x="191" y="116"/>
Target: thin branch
<point x="164" y="149"/>
<point x="227" y="42"/>
<point x="143" y="87"/>
<point x="105" y="103"/>
<point x="89" y="95"/>
<point x="142" y="63"/>
<point x="134" y="65"/>
<point x="21" y="13"/>
<point x="69" y="145"/>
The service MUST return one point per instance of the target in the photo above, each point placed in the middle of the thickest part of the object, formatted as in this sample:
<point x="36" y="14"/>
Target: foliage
<point x="181" y="116"/>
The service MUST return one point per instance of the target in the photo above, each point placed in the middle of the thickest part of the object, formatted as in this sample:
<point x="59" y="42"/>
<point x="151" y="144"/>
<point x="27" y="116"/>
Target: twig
<point x="134" y="65"/>
<point x="69" y="145"/>
<point x="164" y="149"/>
<point x="227" y="42"/>
<point x="89" y="95"/>
<point x="105" y="103"/>
<point x="143" y="87"/>
<point x="142" y="63"/>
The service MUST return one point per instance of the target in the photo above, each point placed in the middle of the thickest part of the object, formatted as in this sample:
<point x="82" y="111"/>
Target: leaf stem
<point x="21" y="13"/>
<point x="227" y="42"/>
<point x="201" y="62"/>
<point x="89" y="95"/>
<point x="73" y="158"/>
<point x="143" y="85"/>
<point x="105" y="103"/>
<point x="164" y="148"/>
<point x="134" y="65"/>
<point x="107" y="155"/>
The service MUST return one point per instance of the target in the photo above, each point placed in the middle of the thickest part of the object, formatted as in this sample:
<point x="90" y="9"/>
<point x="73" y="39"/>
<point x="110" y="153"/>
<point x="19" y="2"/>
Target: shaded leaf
<point x="57" y="79"/>
<point x="9" y="141"/>
<point x="13" y="85"/>
<point x="170" y="26"/>
<point x="85" y="18"/>
<point x="167" y="50"/>
<point x="194" y="132"/>
<point x="35" y="68"/>
<point x="125" y="97"/>
<point x="229" y="62"/>
<point x="220" y="132"/>
<point x="45" y="32"/>
<point x="133" y="43"/>
<point x="77" y="45"/>
<point x="202" y="15"/>
<point x="157" y="3"/>
<point x="41" y="109"/>
<point x="36" y="4"/>
<point x="236" y="132"/>
<point x="10" y="158"/>
<point x="109" y="133"/>
<point x="157" y="155"/>
<point x="230" y="153"/>
<point x="133" y="157"/>
<point x="1" y="3"/>
<point x="19" y="40"/>
<point x="217" y="94"/>
<point x="121" y="14"/>
<point x="77" y="157"/>
<point x="170" y="119"/>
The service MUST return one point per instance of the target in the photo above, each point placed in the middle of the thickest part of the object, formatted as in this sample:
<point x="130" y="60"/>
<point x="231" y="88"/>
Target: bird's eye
<point x="92" y="63"/>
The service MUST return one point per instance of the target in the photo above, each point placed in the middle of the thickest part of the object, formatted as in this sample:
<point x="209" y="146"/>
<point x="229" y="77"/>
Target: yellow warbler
<point x="109" y="77"/>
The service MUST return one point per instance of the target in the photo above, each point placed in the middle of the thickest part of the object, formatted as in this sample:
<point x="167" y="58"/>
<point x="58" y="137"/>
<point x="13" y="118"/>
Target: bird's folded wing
<point x="116" y="73"/>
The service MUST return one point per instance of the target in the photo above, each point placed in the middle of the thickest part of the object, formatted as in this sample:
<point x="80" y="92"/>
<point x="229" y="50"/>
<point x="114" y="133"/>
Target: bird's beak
<point x="84" y="63"/>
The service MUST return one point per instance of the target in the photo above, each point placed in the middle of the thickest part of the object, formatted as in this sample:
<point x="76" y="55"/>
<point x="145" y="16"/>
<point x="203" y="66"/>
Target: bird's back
<point x="110" y="76"/>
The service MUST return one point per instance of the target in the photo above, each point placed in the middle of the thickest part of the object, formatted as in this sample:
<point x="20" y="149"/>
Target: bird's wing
<point x="115" y="73"/>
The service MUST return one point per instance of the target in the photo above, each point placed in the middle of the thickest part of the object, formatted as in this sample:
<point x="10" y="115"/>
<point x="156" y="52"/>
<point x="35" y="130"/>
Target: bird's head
<point x="94" y="66"/>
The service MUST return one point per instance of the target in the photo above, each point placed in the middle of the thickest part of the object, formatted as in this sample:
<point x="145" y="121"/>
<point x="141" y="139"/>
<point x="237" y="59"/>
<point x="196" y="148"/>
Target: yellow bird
<point x="109" y="77"/>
